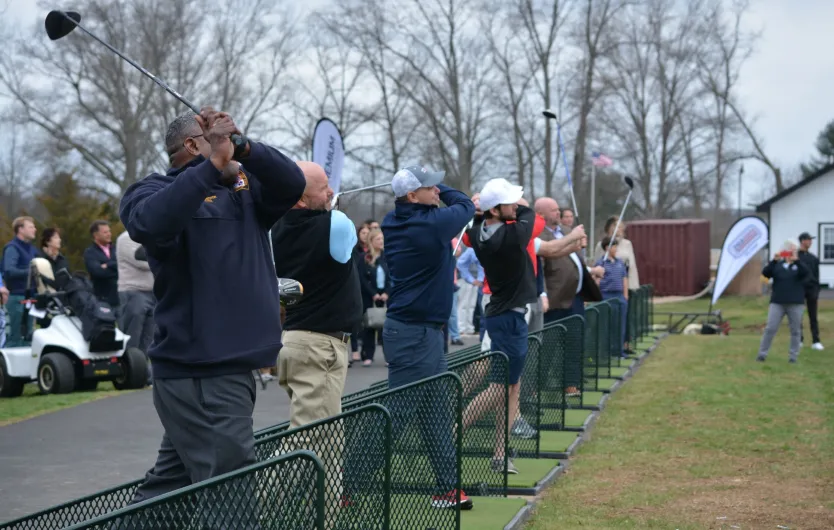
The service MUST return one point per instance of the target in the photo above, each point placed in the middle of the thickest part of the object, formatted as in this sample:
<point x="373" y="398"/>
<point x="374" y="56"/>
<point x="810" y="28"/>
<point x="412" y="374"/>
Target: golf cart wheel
<point x="135" y="370"/>
<point x="9" y="386"/>
<point x="56" y="374"/>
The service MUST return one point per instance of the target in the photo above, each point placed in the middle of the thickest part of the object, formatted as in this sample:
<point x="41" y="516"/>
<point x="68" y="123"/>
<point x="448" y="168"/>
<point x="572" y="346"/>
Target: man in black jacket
<point x="101" y="263"/>
<point x="314" y="245"/>
<point x="812" y="286"/>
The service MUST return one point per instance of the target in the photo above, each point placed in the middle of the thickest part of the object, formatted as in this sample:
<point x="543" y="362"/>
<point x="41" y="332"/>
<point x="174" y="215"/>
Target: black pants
<point x="208" y="432"/>
<point x="369" y="336"/>
<point x="811" y="300"/>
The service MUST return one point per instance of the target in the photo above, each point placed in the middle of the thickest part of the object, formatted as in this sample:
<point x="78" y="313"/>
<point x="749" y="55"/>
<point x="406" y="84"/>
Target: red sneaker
<point x="450" y="500"/>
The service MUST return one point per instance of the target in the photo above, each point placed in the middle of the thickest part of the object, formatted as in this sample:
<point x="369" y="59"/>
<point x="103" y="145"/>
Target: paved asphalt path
<point x="73" y="452"/>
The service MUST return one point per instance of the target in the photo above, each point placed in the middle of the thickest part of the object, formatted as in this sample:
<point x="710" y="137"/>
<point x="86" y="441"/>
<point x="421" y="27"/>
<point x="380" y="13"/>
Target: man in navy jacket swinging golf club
<point x="204" y="225"/>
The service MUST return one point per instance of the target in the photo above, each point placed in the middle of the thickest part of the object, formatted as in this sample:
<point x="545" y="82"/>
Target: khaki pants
<point x="312" y="368"/>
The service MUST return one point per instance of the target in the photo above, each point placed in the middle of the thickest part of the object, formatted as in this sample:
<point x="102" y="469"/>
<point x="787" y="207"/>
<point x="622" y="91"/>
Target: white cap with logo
<point x="499" y="191"/>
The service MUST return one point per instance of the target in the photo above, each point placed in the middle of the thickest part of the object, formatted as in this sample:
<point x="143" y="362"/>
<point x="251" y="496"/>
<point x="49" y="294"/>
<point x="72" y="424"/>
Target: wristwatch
<point x="240" y="142"/>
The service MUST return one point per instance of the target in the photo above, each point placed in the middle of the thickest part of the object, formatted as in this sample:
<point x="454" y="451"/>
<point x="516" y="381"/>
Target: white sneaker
<point x="817" y="346"/>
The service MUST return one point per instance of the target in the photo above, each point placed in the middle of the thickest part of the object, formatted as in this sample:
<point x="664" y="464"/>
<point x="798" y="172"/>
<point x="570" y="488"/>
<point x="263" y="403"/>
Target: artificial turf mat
<point x="556" y="441"/>
<point x="592" y="398"/>
<point x="490" y="512"/>
<point x="606" y="384"/>
<point x="618" y="371"/>
<point x="530" y="471"/>
<point x="576" y="418"/>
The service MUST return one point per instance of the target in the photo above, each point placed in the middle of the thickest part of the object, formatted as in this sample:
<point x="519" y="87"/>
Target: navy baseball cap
<point x="805" y="235"/>
<point x="413" y="178"/>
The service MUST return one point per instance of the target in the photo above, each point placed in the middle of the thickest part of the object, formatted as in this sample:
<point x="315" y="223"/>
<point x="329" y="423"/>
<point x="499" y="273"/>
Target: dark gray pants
<point x="208" y="432"/>
<point x="775" y="314"/>
<point x="136" y="317"/>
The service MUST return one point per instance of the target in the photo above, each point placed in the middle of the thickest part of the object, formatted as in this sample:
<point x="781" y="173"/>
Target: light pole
<point x="740" y="173"/>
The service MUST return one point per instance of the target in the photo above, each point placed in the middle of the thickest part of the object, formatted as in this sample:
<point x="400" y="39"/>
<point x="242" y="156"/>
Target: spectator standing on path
<point x="358" y="255"/>
<point x="419" y="255"/>
<point x="500" y="238"/>
<point x="614" y="283"/>
<point x="452" y="326"/>
<point x="100" y="260"/>
<point x="4" y="297"/>
<point x="787" y="297"/>
<point x="471" y="275"/>
<point x="375" y="280"/>
<point x="51" y="250"/>
<point x="136" y="299"/>
<point x="812" y="288"/>
<point x="315" y="245"/>
<point x="17" y="254"/>
<point x="204" y="226"/>
<point x="567" y="219"/>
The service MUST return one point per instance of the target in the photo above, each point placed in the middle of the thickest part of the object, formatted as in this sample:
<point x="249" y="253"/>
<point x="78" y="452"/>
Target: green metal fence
<point x="553" y="370"/>
<point x="427" y="448"/>
<point x="603" y="339"/>
<point x="484" y="381"/>
<point x="373" y="417"/>
<point x="591" y="348"/>
<point x="348" y="504"/>
<point x="283" y="492"/>
<point x="523" y="442"/>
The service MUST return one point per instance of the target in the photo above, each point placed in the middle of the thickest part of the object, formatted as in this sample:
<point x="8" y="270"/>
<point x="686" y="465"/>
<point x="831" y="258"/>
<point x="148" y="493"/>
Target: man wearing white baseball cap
<point x="418" y="251"/>
<point x="500" y="237"/>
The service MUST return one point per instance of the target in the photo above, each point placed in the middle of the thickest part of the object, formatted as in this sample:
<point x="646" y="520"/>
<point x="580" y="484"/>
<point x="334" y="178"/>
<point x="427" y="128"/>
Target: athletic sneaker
<point x="817" y="346"/>
<point x="522" y="429"/>
<point x="760" y="358"/>
<point x="449" y="500"/>
<point x="498" y="466"/>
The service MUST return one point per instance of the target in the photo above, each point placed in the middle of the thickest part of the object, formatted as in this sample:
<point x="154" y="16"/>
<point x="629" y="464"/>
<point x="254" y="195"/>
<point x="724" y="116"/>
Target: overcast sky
<point x="785" y="84"/>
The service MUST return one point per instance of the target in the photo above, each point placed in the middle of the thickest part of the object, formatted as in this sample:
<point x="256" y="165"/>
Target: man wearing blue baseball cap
<point x="418" y="235"/>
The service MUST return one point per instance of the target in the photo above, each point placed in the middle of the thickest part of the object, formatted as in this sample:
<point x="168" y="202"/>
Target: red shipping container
<point x="672" y="254"/>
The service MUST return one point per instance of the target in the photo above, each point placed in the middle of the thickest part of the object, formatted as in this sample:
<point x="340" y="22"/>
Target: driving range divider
<point x="378" y="464"/>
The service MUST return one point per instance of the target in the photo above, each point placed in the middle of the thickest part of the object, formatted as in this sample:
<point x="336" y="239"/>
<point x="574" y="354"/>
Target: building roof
<point x="765" y="206"/>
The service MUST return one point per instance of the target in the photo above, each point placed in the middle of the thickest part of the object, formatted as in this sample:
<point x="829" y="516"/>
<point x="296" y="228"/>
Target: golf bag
<point x="98" y="319"/>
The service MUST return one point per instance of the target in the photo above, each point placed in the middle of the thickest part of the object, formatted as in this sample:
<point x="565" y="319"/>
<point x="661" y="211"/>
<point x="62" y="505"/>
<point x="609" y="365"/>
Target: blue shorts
<point x="508" y="334"/>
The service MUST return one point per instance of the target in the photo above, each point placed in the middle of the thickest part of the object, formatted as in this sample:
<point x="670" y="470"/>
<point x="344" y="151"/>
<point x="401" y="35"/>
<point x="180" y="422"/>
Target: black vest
<point x="332" y="298"/>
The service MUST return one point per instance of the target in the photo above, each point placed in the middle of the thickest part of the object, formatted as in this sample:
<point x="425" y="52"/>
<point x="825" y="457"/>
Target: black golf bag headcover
<point x="98" y="319"/>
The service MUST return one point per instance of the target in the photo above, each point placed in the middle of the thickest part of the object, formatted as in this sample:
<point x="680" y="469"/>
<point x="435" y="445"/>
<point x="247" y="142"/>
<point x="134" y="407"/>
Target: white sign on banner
<point x="744" y="240"/>
<point x="329" y="151"/>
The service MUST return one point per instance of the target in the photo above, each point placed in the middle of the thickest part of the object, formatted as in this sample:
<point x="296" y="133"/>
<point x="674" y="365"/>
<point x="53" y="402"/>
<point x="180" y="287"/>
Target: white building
<point x="807" y="206"/>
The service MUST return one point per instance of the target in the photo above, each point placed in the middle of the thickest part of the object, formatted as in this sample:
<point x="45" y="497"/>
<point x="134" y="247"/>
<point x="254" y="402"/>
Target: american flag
<point x="600" y="160"/>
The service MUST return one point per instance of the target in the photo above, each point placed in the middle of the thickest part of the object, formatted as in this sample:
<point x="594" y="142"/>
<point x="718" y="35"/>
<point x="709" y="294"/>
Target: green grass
<point x="714" y="439"/>
<point x="32" y="403"/>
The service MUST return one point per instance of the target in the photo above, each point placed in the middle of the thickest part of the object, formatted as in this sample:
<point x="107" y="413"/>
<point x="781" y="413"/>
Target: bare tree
<point x="99" y="107"/>
<point x="724" y="51"/>
<point x="391" y="121"/>
<point x="595" y="39"/>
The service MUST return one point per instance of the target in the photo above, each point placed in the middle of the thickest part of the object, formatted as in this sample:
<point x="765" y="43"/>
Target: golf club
<point x="335" y="198"/>
<point x="630" y="183"/>
<point x="460" y="236"/>
<point x="550" y="115"/>
<point x="290" y="291"/>
<point x="59" y="24"/>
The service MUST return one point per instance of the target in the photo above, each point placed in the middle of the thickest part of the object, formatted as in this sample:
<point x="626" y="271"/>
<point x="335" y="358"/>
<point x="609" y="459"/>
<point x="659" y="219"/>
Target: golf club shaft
<point x="460" y="236"/>
<point x="365" y="188"/>
<point x="139" y="67"/>
<point x="620" y="218"/>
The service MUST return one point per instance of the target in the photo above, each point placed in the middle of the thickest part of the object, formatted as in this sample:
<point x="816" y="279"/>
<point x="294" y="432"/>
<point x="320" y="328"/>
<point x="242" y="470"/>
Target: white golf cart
<point x="60" y="359"/>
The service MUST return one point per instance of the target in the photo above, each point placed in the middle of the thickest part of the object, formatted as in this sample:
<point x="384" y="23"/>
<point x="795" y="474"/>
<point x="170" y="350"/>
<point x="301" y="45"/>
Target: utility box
<point x="672" y="254"/>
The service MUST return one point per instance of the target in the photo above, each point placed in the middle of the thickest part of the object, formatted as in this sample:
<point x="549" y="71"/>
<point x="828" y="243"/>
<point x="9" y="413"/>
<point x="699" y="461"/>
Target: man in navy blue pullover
<point x="204" y="226"/>
<point x="418" y="249"/>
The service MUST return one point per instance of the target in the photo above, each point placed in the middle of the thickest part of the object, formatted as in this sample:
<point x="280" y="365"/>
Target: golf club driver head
<point x="629" y="182"/>
<point x="549" y="114"/>
<point x="59" y="24"/>
<point x="290" y="290"/>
